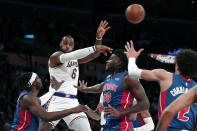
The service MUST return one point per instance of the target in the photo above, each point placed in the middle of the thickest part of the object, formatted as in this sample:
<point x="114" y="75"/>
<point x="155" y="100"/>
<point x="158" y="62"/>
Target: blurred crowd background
<point x="30" y="31"/>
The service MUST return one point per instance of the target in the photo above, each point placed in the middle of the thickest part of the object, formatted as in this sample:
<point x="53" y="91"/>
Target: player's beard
<point x="110" y="69"/>
<point x="113" y="68"/>
<point x="64" y="51"/>
<point x="38" y="87"/>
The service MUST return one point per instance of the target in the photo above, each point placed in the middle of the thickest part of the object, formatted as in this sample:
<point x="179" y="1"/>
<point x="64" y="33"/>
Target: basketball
<point x="135" y="13"/>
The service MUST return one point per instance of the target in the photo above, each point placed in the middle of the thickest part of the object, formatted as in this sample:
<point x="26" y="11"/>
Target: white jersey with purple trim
<point x="69" y="73"/>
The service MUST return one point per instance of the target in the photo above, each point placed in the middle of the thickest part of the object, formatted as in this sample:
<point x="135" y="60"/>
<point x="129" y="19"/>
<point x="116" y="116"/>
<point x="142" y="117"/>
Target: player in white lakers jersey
<point x="63" y="65"/>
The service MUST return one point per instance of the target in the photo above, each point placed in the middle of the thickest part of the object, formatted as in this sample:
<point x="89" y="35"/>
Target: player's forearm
<point x="44" y="98"/>
<point x="149" y="125"/>
<point x="78" y="54"/>
<point x="93" y="89"/>
<point x="98" y="41"/>
<point x="140" y="106"/>
<point x="51" y="116"/>
<point x="165" y="120"/>
<point x="89" y="57"/>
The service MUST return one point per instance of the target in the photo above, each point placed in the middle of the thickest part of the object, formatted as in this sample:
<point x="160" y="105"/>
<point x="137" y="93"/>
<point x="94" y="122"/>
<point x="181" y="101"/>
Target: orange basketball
<point x="135" y="13"/>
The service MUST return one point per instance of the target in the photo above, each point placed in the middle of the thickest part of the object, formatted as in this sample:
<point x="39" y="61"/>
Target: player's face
<point x="38" y="83"/>
<point x="67" y="44"/>
<point x="112" y="63"/>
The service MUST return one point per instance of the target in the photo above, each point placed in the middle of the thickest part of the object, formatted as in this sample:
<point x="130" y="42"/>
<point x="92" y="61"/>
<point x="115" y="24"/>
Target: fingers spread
<point x="107" y="28"/>
<point x="131" y="43"/>
<point x="126" y="47"/>
<point x="101" y="24"/>
<point x="141" y="50"/>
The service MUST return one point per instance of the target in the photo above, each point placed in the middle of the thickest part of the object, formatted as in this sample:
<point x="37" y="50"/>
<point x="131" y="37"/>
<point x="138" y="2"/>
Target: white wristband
<point x="98" y="38"/>
<point x="78" y="54"/>
<point x="149" y="125"/>
<point x="133" y="70"/>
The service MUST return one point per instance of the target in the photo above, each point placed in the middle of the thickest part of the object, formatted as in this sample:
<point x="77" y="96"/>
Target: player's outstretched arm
<point x="57" y="58"/>
<point x="103" y="27"/>
<point x="176" y="106"/>
<point x="135" y="72"/>
<point x="92" y="89"/>
<point x="30" y="103"/>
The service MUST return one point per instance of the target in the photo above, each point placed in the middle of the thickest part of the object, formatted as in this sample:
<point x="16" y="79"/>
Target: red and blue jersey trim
<point x="25" y="119"/>
<point x="162" y="103"/>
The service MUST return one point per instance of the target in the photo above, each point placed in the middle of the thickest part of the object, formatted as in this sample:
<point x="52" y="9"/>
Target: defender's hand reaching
<point x="82" y="86"/>
<point x="131" y="52"/>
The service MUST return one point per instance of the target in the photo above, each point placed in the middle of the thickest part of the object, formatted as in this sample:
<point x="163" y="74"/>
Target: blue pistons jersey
<point x="185" y="119"/>
<point x="24" y="120"/>
<point x="120" y="99"/>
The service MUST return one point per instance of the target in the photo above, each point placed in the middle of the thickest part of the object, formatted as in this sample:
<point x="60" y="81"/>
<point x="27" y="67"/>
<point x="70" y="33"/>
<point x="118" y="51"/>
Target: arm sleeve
<point x="44" y="98"/>
<point x="149" y="125"/>
<point x="133" y="70"/>
<point x="78" y="54"/>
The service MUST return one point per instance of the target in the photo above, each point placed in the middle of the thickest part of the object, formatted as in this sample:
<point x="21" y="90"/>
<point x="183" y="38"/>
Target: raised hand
<point x="130" y="51"/>
<point x="82" y="86"/>
<point x="103" y="49"/>
<point x="110" y="111"/>
<point x="103" y="27"/>
<point x="55" y="84"/>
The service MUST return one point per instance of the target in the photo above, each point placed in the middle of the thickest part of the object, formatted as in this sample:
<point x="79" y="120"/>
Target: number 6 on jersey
<point x="74" y="73"/>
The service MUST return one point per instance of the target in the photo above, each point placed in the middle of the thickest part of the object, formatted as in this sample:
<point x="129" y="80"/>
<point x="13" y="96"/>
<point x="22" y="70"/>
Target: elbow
<point x="146" y="104"/>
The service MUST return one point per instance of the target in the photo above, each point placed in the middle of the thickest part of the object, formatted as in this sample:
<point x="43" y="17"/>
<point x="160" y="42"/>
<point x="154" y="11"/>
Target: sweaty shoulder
<point x="128" y="81"/>
<point x="27" y="100"/>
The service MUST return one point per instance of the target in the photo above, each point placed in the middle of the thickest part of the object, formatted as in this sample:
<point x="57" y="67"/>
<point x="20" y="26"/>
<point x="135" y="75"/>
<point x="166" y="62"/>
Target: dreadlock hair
<point x="187" y="63"/>
<point x="23" y="81"/>
<point x="124" y="65"/>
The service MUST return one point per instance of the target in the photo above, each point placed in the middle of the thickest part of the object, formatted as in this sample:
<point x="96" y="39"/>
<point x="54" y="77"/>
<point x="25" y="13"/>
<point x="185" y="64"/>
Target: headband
<point x="33" y="78"/>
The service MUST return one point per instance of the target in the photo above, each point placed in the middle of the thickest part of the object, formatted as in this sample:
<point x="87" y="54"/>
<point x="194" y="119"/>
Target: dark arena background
<point x="30" y="31"/>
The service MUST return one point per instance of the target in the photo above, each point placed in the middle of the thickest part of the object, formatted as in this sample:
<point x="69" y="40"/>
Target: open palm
<point x="130" y="51"/>
<point x="103" y="27"/>
<point x="82" y="85"/>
